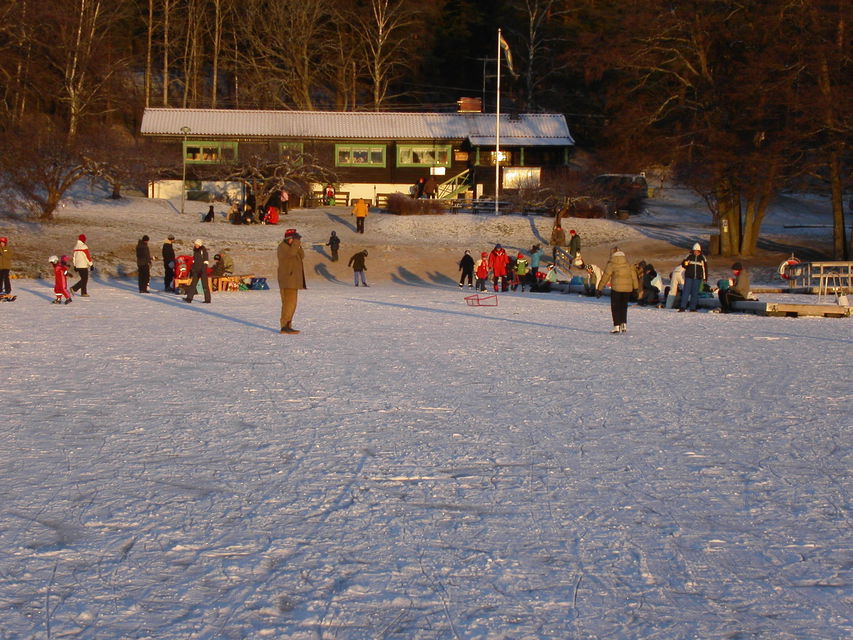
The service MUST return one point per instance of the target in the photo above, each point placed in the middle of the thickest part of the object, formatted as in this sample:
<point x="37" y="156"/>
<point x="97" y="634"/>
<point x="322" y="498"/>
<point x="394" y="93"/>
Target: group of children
<point x="507" y="272"/>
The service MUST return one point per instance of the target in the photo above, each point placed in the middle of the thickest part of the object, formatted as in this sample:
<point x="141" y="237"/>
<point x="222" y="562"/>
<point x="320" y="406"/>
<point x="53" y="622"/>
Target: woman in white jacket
<point x="82" y="261"/>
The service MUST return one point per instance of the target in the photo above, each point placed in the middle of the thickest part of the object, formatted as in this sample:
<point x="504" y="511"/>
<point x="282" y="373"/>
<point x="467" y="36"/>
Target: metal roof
<point x="529" y="129"/>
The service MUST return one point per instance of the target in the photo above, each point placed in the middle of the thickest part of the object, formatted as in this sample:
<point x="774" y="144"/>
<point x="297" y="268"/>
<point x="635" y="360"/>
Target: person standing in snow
<point x="359" y="210"/>
<point x="168" y="252"/>
<point x="334" y="243"/>
<point x="358" y="267"/>
<point x="143" y="264"/>
<point x="536" y="255"/>
<point x="519" y="272"/>
<point x="466" y="266"/>
<point x="5" y="267"/>
<point x="558" y="239"/>
<point x="695" y="273"/>
<point x="481" y="270"/>
<point x="291" y="277"/>
<point x="498" y="261"/>
<point x="82" y="261"/>
<point x="60" y="279"/>
<point x="574" y="244"/>
<point x="198" y="272"/>
<point x="623" y="281"/>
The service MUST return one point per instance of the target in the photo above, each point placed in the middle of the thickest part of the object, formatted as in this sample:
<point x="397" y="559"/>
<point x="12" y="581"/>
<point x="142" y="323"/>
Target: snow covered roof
<point x="529" y="129"/>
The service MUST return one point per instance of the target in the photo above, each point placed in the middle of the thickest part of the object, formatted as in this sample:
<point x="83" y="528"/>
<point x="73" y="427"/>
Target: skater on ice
<point x="60" y="279"/>
<point x="466" y="266"/>
<point x="358" y="267"/>
<point x="291" y="277"/>
<point x="623" y="281"/>
<point x="82" y="260"/>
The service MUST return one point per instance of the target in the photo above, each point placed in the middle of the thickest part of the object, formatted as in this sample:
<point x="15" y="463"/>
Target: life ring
<point x="787" y="264"/>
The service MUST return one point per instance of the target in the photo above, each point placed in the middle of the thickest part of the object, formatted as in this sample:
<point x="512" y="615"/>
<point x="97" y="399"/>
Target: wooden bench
<point x="341" y="198"/>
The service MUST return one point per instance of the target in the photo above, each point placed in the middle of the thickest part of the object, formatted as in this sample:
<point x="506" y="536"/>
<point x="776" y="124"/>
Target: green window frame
<point x="209" y="152"/>
<point x="360" y="155"/>
<point x="424" y="155"/>
<point x="287" y="150"/>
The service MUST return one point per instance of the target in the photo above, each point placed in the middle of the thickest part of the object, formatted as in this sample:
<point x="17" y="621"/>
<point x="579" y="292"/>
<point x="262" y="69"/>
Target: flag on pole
<point x="507" y="53"/>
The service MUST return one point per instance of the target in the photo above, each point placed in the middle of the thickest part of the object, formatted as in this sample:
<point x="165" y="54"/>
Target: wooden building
<point x="374" y="152"/>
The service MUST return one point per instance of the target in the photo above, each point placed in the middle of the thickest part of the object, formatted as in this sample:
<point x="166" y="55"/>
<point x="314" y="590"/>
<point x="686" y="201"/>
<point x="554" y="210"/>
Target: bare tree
<point x="284" y="48"/>
<point x="541" y="33"/>
<point x="37" y="170"/>
<point x="266" y="173"/>
<point x="384" y="29"/>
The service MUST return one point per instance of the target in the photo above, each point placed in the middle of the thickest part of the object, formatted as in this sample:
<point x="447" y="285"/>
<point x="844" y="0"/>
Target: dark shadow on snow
<point x="323" y="271"/>
<point x="177" y="302"/>
<point x="342" y="221"/>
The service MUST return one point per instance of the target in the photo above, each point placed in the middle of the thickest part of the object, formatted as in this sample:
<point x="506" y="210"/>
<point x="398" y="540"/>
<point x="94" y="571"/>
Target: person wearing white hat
<point x="291" y="277"/>
<point x="199" y="271"/>
<point x="695" y="273"/>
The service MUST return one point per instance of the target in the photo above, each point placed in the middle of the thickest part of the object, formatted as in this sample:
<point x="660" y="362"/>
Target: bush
<point x="403" y="205"/>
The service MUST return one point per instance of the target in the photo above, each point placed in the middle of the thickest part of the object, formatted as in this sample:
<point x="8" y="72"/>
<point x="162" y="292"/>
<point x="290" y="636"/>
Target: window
<point x="210" y="152"/>
<point x="487" y="158"/>
<point x="423" y="155"/>
<point x="359" y="155"/>
<point x="290" y="151"/>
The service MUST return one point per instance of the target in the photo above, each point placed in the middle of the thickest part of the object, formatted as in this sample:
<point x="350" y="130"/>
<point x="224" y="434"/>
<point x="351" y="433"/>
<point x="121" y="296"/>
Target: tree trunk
<point x="756" y="207"/>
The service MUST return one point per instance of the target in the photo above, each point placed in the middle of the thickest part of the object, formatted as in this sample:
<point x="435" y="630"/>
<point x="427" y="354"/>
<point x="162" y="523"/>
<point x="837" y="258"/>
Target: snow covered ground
<point x="413" y="467"/>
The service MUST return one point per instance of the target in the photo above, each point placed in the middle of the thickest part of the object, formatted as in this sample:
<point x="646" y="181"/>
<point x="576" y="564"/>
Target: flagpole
<point x="498" y="130"/>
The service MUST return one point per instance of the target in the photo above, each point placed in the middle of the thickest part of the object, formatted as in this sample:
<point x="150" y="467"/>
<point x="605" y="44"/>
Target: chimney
<point x="469" y="105"/>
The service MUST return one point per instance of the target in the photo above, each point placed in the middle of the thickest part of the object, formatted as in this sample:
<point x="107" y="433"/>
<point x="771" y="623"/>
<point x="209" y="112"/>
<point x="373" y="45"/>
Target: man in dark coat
<point x="334" y="243"/>
<point x="358" y="267"/>
<point x="466" y="266"/>
<point x="199" y="272"/>
<point x="574" y="244"/>
<point x="169" y="264"/>
<point x="143" y="263"/>
<point x="291" y="277"/>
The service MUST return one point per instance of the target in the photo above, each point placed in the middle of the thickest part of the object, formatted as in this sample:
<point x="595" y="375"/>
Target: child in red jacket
<point x="60" y="279"/>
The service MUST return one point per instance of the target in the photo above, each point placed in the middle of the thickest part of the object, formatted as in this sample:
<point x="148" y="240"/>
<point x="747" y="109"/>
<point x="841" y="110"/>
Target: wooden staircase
<point x="453" y="187"/>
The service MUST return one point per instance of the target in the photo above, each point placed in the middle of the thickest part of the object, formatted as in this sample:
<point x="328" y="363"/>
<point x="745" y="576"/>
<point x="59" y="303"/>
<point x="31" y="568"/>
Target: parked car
<point x="621" y="191"/>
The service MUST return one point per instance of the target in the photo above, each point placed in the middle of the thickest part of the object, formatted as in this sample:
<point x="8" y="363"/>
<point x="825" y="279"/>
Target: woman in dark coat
<point x="199" y="272"/>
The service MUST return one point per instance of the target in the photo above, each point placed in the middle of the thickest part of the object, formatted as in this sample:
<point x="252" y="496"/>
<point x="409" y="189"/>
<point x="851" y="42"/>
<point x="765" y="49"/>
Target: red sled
<point x="481" y="301"/>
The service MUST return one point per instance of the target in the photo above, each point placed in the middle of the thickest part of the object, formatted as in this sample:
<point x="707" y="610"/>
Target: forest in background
<point x="737" y="100"/>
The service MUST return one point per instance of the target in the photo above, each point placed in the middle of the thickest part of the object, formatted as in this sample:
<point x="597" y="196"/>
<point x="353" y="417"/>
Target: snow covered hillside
<point x="413" y="467"/>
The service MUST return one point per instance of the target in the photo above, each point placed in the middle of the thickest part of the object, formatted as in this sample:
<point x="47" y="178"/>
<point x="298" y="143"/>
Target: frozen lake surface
<point x="412" y="467"/>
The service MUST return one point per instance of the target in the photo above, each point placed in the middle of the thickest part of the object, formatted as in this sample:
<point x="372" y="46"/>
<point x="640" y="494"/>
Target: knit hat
<point x="53" y="259"/>
<point x="737" y="266"/>
<point x="291" y="233"/>
<point x="4" y="240"/>
<point x="484" y="255"/>
<point x="697" y="247"/>
<point x="145" y="238"/>
<point x="572" y="232"/>
<point x="521" y="256"/>
<point x="82" y="237"/>
<point x="170" y="237"/>
<point x="198" y="242"/>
